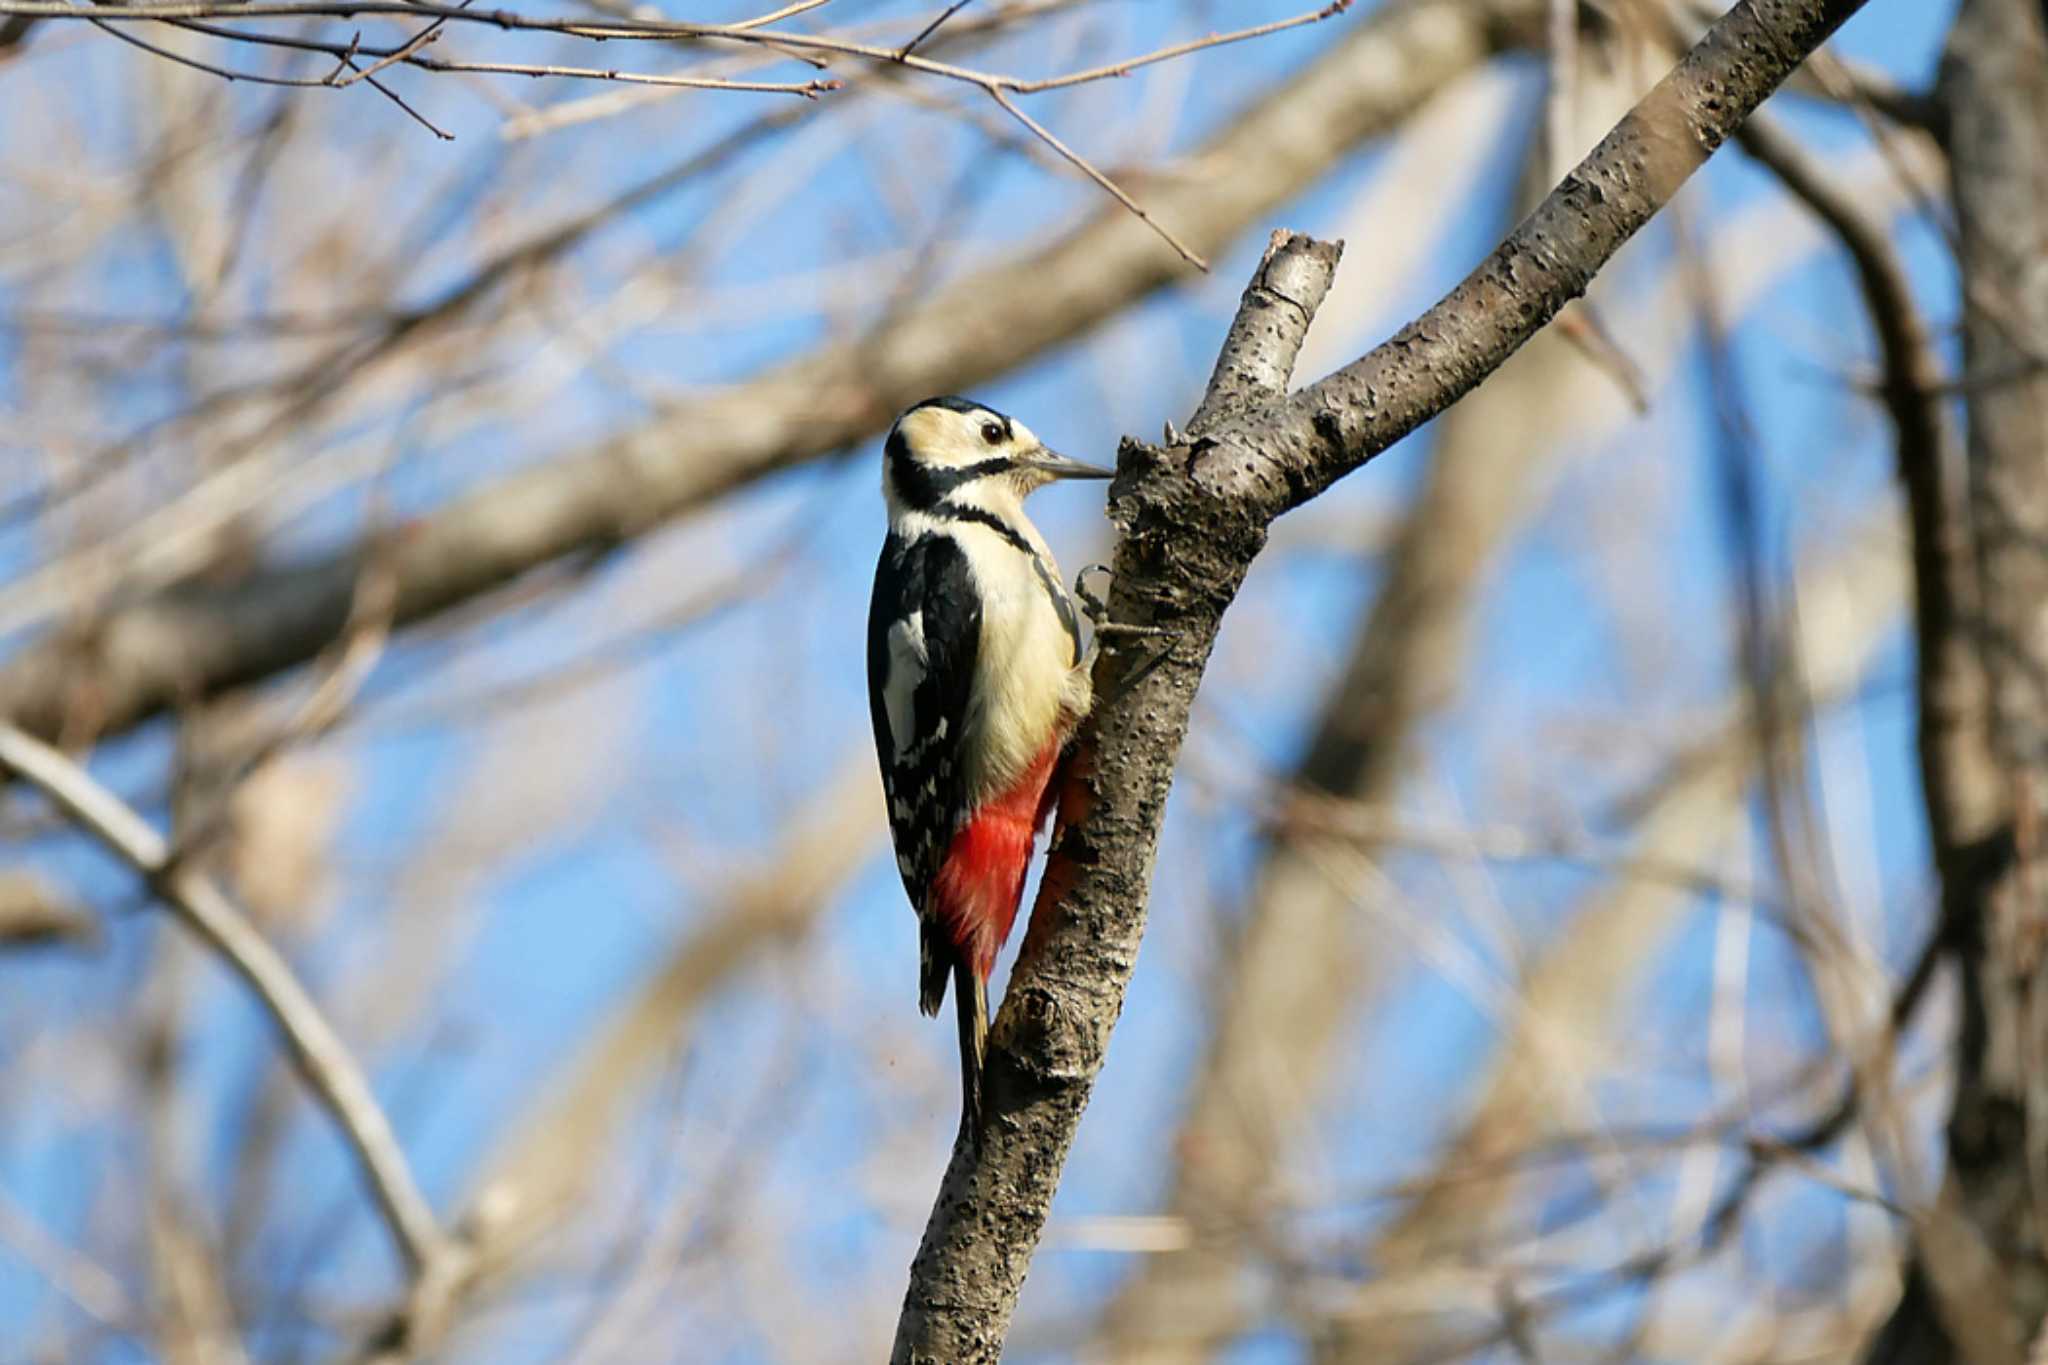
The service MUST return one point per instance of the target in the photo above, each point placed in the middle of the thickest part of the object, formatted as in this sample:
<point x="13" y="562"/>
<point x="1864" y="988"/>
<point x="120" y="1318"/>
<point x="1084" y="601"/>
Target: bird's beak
<point x="1054" y="465"/>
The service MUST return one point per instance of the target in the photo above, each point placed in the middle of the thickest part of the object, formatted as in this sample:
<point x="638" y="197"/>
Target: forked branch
<point x="1191" y="517"/>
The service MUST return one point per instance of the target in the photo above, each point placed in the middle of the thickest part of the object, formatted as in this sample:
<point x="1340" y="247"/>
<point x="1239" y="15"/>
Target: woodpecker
<point x="976" y="680"/>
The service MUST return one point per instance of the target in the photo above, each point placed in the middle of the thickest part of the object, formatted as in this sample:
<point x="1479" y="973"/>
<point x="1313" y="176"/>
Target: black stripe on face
<point x="923" y="486"/>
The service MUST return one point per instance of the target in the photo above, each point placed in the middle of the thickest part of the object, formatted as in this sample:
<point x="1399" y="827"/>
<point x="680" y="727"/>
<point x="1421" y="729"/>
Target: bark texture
<point x="1190" y="519"/>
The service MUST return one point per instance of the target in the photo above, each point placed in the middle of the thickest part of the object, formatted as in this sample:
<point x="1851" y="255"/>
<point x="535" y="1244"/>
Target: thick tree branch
<point x="325" y="1062"/>
<point x="1339" y="423"/>
<point x="144" y="657"/>
<point x="1257" y="357"/>
<point x="1191" y="518"/>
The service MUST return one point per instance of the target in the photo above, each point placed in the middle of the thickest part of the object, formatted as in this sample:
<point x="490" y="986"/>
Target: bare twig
<point x="960" y="34"/>
<point x="1087" y="168"/>
<point x="754" y="31"/>
<point x="1130" y="64"/>
<point x="345" y="59"/>
<point x="933" y="27"/>
<point x="429" y="34"/>
<point x="226" y="74"/>
<point x="322" y="1059"/>
<point x="805" y="89"/>
<point x="644" y="29"/>
<point x="788" y="11"/>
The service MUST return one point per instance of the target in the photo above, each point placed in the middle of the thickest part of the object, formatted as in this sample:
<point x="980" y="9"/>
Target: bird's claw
<point x="1092" y="604"/>
<point x="1097" y="611"/>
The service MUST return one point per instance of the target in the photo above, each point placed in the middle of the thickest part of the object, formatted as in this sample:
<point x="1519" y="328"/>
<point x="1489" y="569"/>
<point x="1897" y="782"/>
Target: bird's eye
<point x="992" y="432"/>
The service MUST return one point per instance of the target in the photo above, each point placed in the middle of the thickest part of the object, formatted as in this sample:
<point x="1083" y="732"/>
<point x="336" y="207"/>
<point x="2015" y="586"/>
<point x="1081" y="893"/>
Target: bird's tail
<point x="941" y="962"/>
<point x="970" y="1001"/>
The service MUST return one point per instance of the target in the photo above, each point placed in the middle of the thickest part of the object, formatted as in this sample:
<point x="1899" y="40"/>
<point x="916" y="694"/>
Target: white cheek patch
<point x="907" y="659"/>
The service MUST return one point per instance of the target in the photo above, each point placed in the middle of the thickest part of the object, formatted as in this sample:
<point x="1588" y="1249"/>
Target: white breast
<point x="1030" y="693"/>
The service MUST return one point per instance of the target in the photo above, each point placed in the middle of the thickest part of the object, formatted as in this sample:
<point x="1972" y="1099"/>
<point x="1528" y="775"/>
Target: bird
<point x="976" y="683"/>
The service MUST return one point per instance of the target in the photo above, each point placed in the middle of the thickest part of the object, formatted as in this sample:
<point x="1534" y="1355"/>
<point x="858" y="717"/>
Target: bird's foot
<point x="1097" y="612"/>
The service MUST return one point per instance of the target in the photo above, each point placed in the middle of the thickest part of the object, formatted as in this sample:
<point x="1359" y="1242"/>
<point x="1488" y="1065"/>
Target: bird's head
<point x="957" y="449"/>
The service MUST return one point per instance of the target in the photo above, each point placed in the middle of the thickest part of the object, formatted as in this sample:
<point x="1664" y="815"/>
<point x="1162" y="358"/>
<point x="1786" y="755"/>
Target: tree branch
<point x="1191" y="518"/>
<point x="1341" y="422"/>
<point x="319" y="1054"/>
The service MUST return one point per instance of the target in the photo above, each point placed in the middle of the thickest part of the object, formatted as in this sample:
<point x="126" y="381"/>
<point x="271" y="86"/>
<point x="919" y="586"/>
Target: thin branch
<point x="1124" y="68"/>
<point x="809" y="90"/>
<point x="417" y="117"/>
<point x="789" y="11"/>
<point x="225" y="73"/>
<point x="429" y="34"/>
<point x="956" y="35"/>
<point x="232" y="76"/>
<point x="409" y="54"/>
<point x="933" y="27"/>
<point x="319" y="1054"/>
<point x="1087" y="168"/>
<point x="640" y="29"/>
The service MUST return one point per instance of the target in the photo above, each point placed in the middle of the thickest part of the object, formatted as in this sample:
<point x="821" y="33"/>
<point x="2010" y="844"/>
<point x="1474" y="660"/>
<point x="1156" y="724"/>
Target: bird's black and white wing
<point x="924" y="634"/>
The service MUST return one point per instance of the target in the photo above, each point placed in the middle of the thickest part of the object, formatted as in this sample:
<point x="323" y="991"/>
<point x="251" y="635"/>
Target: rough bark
<point x="144" y="657"/>
<point x="1987" y="815"/>
<point x="1191" y="517"/>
